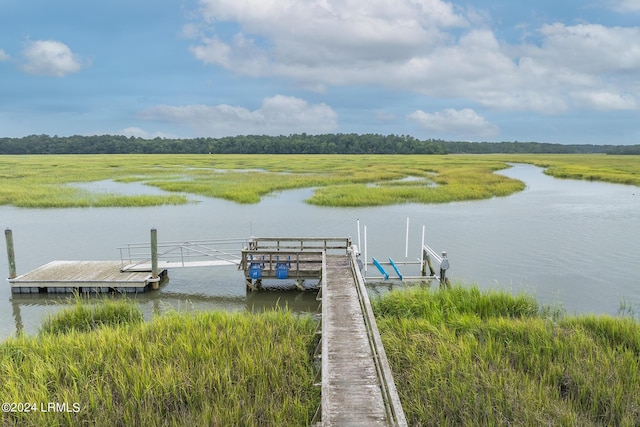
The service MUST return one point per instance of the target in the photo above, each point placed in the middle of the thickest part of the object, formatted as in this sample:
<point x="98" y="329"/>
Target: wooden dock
<point x="356" y="380"/>
<point x="357" y="384"/>
<point x="83" y="276"/>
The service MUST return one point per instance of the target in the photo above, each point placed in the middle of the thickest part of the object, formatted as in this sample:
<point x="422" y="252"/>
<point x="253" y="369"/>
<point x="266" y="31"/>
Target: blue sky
<point x="549" y="71"/>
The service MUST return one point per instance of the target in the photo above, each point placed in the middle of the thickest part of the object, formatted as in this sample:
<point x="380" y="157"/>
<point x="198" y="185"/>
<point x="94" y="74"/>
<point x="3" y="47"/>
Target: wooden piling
<point x="426" y="262"/>
<point x="154" y="259"/>
<point x="444" y="266"/>
<point x="8" y="235"/>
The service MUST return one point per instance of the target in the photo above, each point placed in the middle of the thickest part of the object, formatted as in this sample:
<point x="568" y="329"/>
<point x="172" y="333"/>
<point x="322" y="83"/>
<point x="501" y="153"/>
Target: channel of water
<point x="573" y="244"/>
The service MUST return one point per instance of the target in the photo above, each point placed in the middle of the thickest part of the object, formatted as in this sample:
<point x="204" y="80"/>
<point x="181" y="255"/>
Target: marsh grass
<point x="460" y="357"/>
<point x="211" y="368"/>
<point x="469" y="358"/>
<point x="361" y="180"/>
<point x="590" y="167"/>
<point x="83" y="316"/>
<point x="42" y="181"/>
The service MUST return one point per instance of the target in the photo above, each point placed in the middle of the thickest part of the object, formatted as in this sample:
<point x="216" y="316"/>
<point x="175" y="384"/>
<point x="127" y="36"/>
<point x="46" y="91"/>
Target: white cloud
<point x="320" y="42"/>
<point x="241" y="55"/>
<point x="606" y="101"/>
<point x="627" y="5"/>
<point x="465" y="122"/>
<point x="425" y="46"/>
<point x="4" y="56"/>
<point x="589" y="49"/>
<point x="277" y="115"/>
<point x="52" y="58"/>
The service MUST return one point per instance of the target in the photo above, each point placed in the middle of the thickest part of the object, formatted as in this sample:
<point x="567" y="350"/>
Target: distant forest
<point x="292" y="144"/>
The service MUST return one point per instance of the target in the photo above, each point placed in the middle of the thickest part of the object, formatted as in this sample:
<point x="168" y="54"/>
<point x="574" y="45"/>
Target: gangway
<point x="192" y="253"/>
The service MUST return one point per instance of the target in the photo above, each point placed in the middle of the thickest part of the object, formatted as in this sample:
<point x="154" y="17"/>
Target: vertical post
<point x="154" y="258"/>
<point x="444" y="266"/>
<point x="406" y="239"/>
<point x="427" y="263"/>
<point x="358" y="225"/>
<point x="8" y="235"/>
<point x="422" y="252"/>
<point x="366" y="260"/>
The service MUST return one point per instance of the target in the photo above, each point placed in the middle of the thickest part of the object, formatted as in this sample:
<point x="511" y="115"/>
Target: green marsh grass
<point x="465" y="358"/>
<point x="460" y="357"/>
<point x="82" y="316"/>
<point x="590" y="167"/>
<point x="205" y="368"/>
<point x="359" y="180"/>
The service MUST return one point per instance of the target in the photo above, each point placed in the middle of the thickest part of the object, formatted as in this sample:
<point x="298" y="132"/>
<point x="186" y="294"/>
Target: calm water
<point x="570" y="243"/>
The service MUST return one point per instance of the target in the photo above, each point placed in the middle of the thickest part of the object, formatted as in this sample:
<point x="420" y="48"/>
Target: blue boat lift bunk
<point x="427" y="272"/>
<point x="383" y="271"/>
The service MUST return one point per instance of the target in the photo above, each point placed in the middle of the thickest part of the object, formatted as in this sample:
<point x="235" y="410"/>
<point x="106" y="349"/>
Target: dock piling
<point x="444" y="266"/>
<point x="426" y="262"/>
<point x="154" y="259"/>
<point x="8" y="235"/>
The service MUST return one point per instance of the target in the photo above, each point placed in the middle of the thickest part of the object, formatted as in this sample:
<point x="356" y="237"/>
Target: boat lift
<point x="427" y="256"/>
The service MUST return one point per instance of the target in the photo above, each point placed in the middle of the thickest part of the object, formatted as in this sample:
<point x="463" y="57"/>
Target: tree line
<point x="291" y="144"/>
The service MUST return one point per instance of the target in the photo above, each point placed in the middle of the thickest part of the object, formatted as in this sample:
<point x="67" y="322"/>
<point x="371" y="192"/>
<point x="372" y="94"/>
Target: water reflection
<point x="156" y="303"/>
<point x="572" y="243"/>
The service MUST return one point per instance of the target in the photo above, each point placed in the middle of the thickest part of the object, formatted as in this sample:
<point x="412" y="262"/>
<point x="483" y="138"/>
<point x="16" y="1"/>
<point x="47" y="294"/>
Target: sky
<point x="557" y="71"/>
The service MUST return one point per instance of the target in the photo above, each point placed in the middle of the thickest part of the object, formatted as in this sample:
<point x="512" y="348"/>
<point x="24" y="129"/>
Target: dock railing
<point x="191" y="253"/>
<point x="296" y="258"/>
<point x="299" y="265"/>
<point x="301" y="244"/>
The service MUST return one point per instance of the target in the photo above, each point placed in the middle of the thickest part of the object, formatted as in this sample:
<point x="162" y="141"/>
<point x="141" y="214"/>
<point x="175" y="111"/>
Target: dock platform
<point x="83" y="276"/>
<point x="294" y="258"/>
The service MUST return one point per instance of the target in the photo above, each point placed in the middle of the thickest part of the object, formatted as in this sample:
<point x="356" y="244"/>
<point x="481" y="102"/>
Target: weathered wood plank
<point x="352" y="394"/>
<point x="76" y="274"/>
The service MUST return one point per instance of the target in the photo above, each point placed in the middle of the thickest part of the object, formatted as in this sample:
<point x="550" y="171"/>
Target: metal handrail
<point x="433" y="253"/>
<point x="183" y="252"/>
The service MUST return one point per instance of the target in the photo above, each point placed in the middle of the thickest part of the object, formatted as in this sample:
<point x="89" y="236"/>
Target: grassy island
<point x="39" y="181"/>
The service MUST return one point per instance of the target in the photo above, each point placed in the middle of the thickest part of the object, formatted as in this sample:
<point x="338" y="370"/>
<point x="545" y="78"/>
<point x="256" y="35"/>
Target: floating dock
<point x="84" y="276"/>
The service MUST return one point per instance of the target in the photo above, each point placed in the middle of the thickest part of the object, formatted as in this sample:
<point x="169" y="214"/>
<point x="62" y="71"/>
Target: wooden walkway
<point x="357" y="385"/>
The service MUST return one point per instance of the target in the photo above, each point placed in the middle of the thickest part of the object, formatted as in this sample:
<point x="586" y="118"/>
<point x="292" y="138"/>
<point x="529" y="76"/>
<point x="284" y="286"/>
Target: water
<point x="569" y="243"/>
